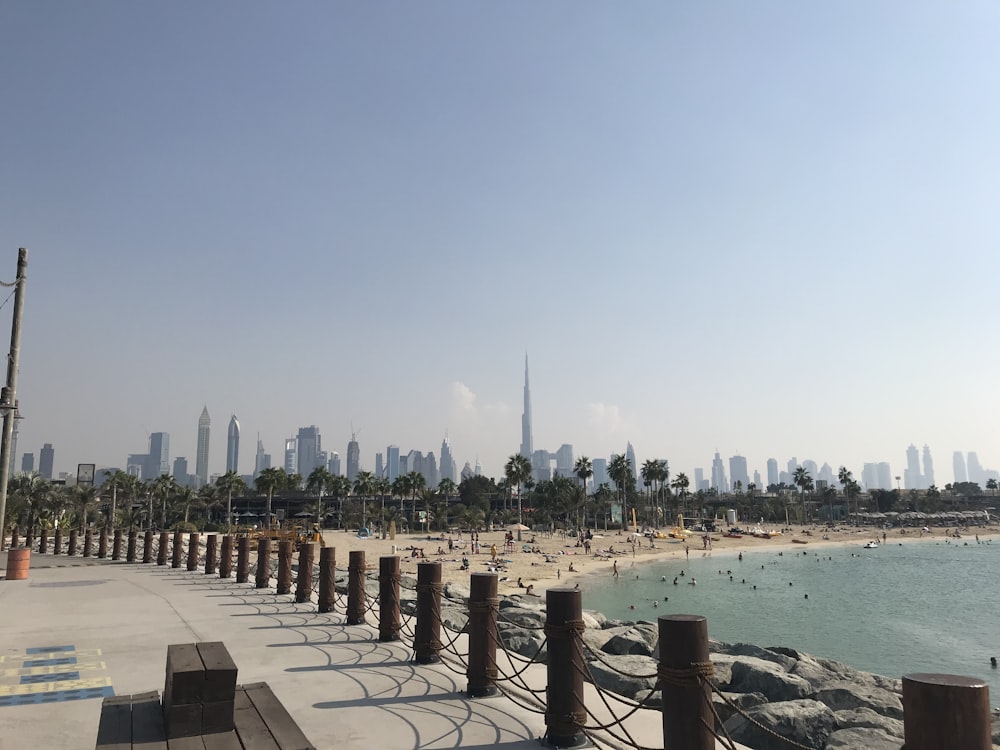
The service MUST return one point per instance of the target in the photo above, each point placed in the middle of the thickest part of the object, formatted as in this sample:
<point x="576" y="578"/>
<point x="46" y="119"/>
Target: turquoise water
<point x="919" y="607"/>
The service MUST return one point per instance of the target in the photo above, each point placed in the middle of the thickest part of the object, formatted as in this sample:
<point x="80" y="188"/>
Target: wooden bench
<point x="135" y="722"/>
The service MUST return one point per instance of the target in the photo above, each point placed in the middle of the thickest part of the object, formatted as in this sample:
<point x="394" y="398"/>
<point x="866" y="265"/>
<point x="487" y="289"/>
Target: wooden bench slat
<point x="250" y="727"/>
<point x="281" y="724"/>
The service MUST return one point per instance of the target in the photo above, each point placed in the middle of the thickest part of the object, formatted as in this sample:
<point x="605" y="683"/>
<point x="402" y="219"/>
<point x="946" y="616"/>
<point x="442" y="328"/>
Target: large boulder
<point x="725" y="707"/>
<point x="631" y="676"/>
<point x="527" y="643"/>
<point x="868" y="738"/>
<point x="752" y="675"/>
<point x="636" y="640"/>
<point x="748" y="649"/>
<point x="522" y="617"/>
<point x="456" y="592"/>
<point x="847" y="695"/>
<point x="806" y="722"/>
<point x="866" y="718"/>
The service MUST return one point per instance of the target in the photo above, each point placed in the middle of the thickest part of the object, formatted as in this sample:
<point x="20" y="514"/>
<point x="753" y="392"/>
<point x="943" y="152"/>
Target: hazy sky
<point x="766" y="228"/>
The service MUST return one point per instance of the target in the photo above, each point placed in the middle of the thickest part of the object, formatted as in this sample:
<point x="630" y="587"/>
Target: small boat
<point x="873" y="544"/>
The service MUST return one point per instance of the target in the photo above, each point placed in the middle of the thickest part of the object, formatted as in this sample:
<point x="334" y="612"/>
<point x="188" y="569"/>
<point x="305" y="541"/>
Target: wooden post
<point x="243" y="559"/>
<point x="178" y="549"/>
<point x="263" y="563"/>
<point x="304" y="580"/>
<point x="566" y="713"/>
<point x="116" y="546"/>
<point x="88" y="542"/>
<point x="102" y="543"/>
<point x="944" y="710"/>
<point x="130" y="548"/>
<point x="327" y="578"/>
<point x="161" y="550"/>
<point x="284" y="566"/>
<point x="194" y="544"/>
<point x="427" y="629"/>
<point x="684" y="667"/>
<point x="211" y="547"/>
<point x="483" y="607"/>
<point x="147" y="547"/>
<point x="29" y="538"/>
<point x="57" y="542"/>
<point x="388" y="598"/>
<point x="13" y="537"/>
<point x="356" y="588"/>
<point x="43" y="541"/>
<point x="71" y="549"/>
<point x="226" y="557"/>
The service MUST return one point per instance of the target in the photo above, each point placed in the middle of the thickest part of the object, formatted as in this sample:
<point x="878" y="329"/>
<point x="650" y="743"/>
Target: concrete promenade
<point x="103" y="626"/>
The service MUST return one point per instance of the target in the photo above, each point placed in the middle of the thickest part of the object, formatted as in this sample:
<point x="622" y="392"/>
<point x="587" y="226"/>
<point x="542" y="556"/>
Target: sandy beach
<point x="549" y="565"/>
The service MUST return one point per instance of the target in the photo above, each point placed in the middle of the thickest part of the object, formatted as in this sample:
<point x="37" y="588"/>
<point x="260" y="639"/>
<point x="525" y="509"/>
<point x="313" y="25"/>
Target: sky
<point x="767" y="229"/>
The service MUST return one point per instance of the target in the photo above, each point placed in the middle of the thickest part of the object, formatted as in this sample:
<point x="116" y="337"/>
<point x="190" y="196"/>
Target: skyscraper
<point x="600" y="469"/>
<point x="738" y="472"/>
<point x="526" y="442"/>
<point x="158" y="462"/>
<point x="334" y="466"/>
<point x="976" y="473"/>
<point x="353" y="458"/>
<point x="719" y="482"/>
<point x="46" y="458"/>
<point x="632" y="461"/>
<point x="447" y="461"/>
<point x="564" y="460"/>
<point x="308" y="448"/>
<point x="201" y="457"/>
<point x="911" y="474"/>
<point x="772" y="471"/>
<point x="291" y="460"/>
<point x="928" y="468"/>
<point x="233" y="446"/>
<point x="884" y="476"/>
<point x="958" y="466"/>
<point x="262" y="460"/>
<point x="392" y="462"/>
<point x="181" y="471"/>
<point x="28" y="462"/>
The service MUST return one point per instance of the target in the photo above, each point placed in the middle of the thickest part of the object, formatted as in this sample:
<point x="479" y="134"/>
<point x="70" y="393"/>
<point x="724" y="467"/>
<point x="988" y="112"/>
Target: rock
<point x="742" y="701"/>
<point x="866" y="718"/>
<point x="868" y="738"/>
<point x="453" y="618"/>
<point x="631" y="641"/>
<point x="752" y="675"/>
<point x="748" y="649"/>
<point x="722" y="668"/>
<point x="807" y="722"/>
<point x="632" y="676"/>
<point x="525" y="618"/>
<point x="846" y="695"/>
<point x="594" y="619"/>
<point x="457" y="593"/>
<point x="524" y="643"/>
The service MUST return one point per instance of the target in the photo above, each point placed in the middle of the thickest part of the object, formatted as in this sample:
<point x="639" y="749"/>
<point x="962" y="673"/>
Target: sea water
<point x="914" y="606"/>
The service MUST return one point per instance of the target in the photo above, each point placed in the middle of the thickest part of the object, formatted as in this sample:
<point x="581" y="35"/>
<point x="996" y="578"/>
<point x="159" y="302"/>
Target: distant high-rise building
<point x="632" y="460"/>
<point x="308" y="447"/>
<point x="756" y="481"/>
<point x="541" y="466"/>
<point x="884" y="476"/>
<point x="262" y="460"/>
<point x="478" y="468"/>
<point x="564" y="460"/>
<point x="600" y="468"/>
<point x="334" y="464"/>
<point x="233" y="446"/>
<point x="28" y="463"/>
<point x="958" y="466"/>
<point x="719" y="482"/>
<point x="158" y="462"/>
<point x="447" y="461"/>
<point x="811" y="468"/>
<point x="928" y="468"/>
<point x="699" y="478"/>
<point x="526" y="441"/>
<point x="392" y="462"/>
<point x="201" y="456"/>
<point x="135" y="465"/>
<point x="379" y="465"/>
<point x="291" y="460"/>
<point x="738" y="472"/>
<point x="181" y="475"/>
<point x="467" y="472"/>
<point x="431" y="473"/>
<point x="46" y="459"/>
<point x="793" y="464"/>
<point x="911" y="474"/>
<point x="353" y="458"/>
<point x="414" y="462"/>
<point x="772" y="471"/>
<point x="976" y="473"/>
<point x="826" y="475"/>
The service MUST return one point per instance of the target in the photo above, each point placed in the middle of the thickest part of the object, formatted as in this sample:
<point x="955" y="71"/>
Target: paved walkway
<point x="102" y="626"/>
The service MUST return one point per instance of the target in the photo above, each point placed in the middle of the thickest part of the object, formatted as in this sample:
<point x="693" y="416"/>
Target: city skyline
<point x="767" y="230"/>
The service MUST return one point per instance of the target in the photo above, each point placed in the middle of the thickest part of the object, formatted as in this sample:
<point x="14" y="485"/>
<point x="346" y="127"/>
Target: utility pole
<point x="8" y="395"/>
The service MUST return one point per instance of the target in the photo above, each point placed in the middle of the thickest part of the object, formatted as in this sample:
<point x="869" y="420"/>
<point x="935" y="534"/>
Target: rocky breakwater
<point x="818" y="703"/>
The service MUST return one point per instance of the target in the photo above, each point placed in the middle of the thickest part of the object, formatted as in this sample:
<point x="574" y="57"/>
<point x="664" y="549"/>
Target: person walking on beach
<point x="614" y="569"/>
<point x="493" y="552"/>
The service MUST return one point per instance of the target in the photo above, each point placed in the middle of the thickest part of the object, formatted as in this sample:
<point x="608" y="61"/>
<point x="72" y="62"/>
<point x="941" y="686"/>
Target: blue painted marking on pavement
<point x="56" y="696"/>
<point x="60" y="662"/>
<point x="34" y="679"/>
<point x="49" y="649"/>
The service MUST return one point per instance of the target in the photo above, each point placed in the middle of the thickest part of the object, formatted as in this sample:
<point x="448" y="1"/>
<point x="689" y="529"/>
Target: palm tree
<point x="805" y="484"/>
<point x="417" y="484"/>
<point x="231" y="483"/>
<point x="620" y="471"/>
<point x="518" y="471"/>
<point x="681" y="484"/>
<point x="447" y="488"/>
<point x="114" y="481"/>
<point x="269" y="481"/>
<point x="991" y="484"/>
<point x="339" y="487"/>
<point x="33" y="490"/>
<point x="363" y="488"/>
<point x="317" y="481"/>
<point x="84" y="497"/>
<point x="185" y="497"/>
<point x="584" y="470"/>
<point x="162" y="488"/>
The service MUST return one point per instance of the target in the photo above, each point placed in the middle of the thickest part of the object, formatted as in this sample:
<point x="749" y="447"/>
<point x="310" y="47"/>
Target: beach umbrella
<point x="518" y="527"/>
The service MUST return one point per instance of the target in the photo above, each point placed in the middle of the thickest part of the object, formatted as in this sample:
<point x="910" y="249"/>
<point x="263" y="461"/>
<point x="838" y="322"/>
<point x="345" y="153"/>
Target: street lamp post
<point x="8" y="395"/>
